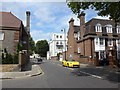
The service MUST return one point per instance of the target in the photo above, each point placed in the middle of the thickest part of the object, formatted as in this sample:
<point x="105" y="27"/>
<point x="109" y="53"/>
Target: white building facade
<point x="57" y="44"/>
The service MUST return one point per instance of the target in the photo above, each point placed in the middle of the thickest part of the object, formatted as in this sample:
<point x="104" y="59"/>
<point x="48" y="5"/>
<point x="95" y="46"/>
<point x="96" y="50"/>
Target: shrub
<point x="10" y="59"/>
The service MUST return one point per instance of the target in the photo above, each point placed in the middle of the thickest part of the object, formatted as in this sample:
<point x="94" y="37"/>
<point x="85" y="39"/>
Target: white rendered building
<point x="57" y="44"/>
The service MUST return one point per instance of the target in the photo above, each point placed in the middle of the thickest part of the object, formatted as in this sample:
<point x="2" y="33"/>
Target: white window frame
<point x="109" y="28"/>
<point x="97" y="41"/>
<point x="100" y="41"/>
<point x="110" y="42"/>
<point x="2" y="34"/>
<point x="78" y="50"/>
<point x="78" y="35"/>
<point x="118" y="29"/>
<point x="98" y="28"/>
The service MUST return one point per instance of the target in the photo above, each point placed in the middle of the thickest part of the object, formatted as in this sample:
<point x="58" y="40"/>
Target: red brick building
<point x="13" y="31"/>
<point x="95" y="41"/>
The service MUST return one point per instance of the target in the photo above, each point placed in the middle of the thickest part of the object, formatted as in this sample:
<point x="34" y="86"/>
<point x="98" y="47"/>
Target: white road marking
<point x="59" y="65"/>
<point x="70" y="68"/>
<point x="91" y="75"/>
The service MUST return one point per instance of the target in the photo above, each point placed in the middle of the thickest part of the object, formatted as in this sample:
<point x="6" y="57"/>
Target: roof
<point x="7" y="19"/>
<point x="76" y="28"/>
<point x="102" y="21"/>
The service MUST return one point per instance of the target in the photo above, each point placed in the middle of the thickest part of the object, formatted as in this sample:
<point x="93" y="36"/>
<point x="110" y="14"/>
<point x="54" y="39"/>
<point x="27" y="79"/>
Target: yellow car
<point x="70" y="63"/>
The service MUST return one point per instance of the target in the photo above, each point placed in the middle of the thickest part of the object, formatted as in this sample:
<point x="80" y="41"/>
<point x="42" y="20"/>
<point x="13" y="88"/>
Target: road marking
<point x="91" y="75"/>
<point x="70" y="68"/>
<point x="59" y="65"/>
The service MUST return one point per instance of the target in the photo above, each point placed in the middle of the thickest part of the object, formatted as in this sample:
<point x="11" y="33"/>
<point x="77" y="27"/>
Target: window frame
<point x="118" y="29"/>
<point x="110" y="40"/>
<point x="3" y="36"/>
<point x="109" y="28"/>
<point x="98" y="28"/>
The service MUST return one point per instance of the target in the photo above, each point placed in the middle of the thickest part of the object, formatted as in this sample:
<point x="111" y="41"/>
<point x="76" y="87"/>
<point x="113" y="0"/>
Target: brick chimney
<point x="71" y="22"/>
<point x="28" y="21"/>
<point x="82" y="24"/>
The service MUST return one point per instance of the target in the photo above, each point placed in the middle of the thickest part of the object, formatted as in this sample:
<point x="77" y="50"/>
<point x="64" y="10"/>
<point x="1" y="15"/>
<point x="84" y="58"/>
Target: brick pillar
<point x="96" y="60"/>
<point x="112" y="59"/>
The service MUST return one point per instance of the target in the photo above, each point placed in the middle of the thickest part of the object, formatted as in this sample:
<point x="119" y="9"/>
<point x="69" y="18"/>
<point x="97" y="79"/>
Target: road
<point x="57" y="76"/>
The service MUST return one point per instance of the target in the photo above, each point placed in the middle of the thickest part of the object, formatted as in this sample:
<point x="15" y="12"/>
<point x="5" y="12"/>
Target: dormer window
<point x="98" y="28"/>
<point x="109" y="28"/>
<point x="118" y="29"/>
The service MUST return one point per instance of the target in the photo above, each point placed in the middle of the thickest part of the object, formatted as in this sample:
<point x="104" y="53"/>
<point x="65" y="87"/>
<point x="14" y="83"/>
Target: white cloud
<point x="33" y="0"/>
<point x="44" y="15"/>
<point x="40" y="35"/>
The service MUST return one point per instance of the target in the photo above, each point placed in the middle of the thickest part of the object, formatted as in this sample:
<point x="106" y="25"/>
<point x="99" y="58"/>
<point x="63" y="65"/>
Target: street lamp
<point x="64" y="40"/>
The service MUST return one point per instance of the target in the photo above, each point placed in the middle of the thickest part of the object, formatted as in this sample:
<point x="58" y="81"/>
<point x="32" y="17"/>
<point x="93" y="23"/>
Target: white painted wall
<point x="53" y="49"/>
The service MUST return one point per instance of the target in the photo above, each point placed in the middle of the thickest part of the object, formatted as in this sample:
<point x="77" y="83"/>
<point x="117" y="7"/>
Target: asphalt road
<point x="57" y="76"/>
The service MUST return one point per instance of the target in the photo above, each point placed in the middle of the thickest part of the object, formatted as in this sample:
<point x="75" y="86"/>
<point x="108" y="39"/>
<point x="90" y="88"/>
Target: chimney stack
<point x="71" y="22"/>
<point x="28" y="21"/>
<point x="82" y="24"/>
<point x="82" y="18"/>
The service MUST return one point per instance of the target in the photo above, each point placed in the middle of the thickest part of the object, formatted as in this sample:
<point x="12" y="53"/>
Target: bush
<point x="10" y="59"/>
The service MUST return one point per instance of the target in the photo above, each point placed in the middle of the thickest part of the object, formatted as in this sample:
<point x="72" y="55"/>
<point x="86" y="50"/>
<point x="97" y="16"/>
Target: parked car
<point x="71" y="63"/>
<point x="39" y="59"/>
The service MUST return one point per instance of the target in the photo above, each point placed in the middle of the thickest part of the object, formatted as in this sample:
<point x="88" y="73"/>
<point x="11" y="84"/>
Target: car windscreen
<point x="70" y="60"/>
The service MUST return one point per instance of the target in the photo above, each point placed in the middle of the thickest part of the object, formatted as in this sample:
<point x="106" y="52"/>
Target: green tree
<point x="111" y="9"/>
<point x="31" y="45"/>
<point x="42" y="47"/>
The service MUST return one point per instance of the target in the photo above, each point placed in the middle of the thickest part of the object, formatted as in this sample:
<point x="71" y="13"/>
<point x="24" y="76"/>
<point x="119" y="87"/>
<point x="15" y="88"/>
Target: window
<point x="1" y="36"/>
<point x="110" y="42"/>
<point x="118" y="29"/>
<point x="57" y="42"/>
<point x="78" y="35"/>
<point x="101" y="41"/>
<point x="109" y="28"/>
<point x="118" y="41"/>
<point x="57" y="36"/>
<point x="97" y="40"/>
<point x="60" y="36"/>
<point x="61" y="43"/>
<point x="78" y="50"/>
<point x="98" y="28"/>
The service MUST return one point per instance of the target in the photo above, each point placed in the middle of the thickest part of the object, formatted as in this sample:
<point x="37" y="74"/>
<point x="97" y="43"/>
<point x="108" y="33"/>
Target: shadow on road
<point x="110" y="76"/>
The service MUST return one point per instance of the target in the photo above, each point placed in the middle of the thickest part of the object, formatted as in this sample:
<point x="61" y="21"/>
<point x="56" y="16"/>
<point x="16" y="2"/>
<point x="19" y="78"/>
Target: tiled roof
<point x="7" y="19"/>
<point x="76" y="28"/>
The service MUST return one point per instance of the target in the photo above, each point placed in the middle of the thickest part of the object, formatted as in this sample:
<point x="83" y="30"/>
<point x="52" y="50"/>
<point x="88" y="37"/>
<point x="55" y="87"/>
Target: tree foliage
<point x="42" y="47"/>
<point x="31" y="45"/>
<point x="111" y="9"/>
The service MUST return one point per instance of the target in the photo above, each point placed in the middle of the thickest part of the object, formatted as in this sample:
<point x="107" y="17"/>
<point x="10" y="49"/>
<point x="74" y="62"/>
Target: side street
<point x="85" y="54"/>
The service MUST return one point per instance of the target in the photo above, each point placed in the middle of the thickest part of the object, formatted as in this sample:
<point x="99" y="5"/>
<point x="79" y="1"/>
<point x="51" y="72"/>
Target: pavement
<point x="29" y="71"/>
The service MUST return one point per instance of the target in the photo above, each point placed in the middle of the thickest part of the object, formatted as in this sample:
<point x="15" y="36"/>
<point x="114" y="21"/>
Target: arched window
<point x="98" y="28"/>
<point x="118" y="29"/>
<point x="109" y="28"/>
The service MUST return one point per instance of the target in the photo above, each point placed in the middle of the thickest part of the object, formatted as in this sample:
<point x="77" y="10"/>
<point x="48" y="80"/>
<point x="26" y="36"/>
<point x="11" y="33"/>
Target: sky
<point x="46" y="17"/>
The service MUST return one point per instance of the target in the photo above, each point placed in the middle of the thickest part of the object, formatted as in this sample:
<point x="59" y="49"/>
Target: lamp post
<point x="64" y="40"/>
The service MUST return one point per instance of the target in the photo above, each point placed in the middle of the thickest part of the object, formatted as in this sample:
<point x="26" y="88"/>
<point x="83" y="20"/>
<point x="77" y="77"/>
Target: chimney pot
<point x="82" y="18"/>
<point x="71" y="20"/>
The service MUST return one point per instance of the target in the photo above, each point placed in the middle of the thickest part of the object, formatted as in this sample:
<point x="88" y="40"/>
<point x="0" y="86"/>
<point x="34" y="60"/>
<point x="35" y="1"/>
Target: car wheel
<point x="63" y="64"/>
<point x="67" y="64"/>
